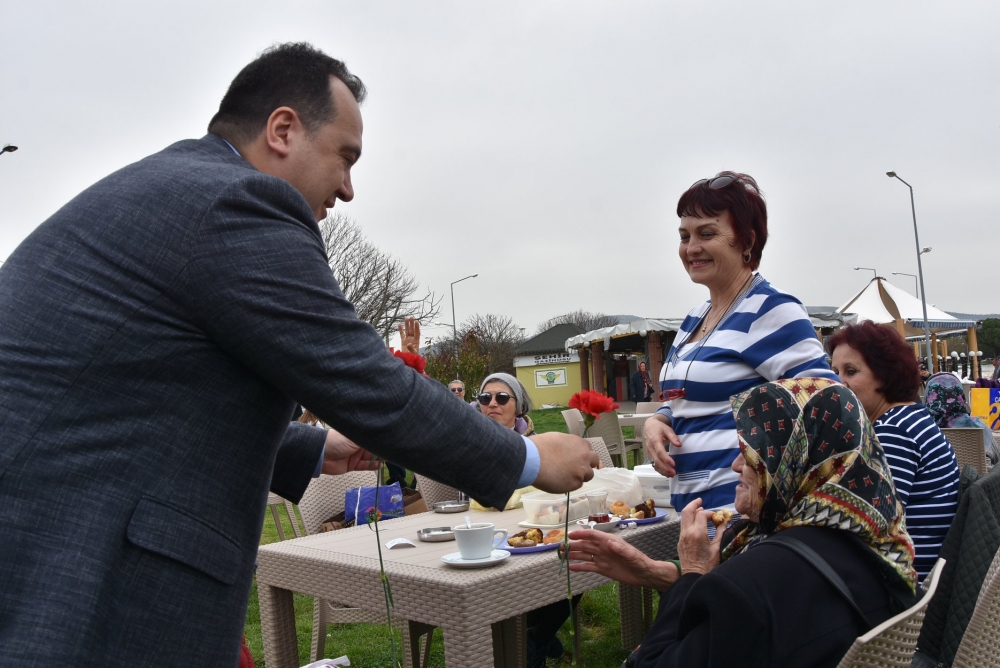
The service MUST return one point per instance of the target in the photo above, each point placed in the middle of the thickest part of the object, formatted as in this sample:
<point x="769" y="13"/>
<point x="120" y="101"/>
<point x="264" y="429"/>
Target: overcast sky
<point x="544" y="144"/>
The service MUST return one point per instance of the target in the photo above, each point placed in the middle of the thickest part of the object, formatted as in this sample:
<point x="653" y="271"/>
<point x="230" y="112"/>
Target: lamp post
<point x="920" y="266"/>
<point x="9" y="148"/>
<point x="454" y="325"/>
<point x="913" y="276"/>
<point x="867" y="269"/>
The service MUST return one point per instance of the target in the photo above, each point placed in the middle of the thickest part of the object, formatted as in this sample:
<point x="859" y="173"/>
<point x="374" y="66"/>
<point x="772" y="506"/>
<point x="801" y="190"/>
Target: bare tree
<point x="497" y="337"/>
<point x="382" y="289"/>
<point x="586" y="320"/>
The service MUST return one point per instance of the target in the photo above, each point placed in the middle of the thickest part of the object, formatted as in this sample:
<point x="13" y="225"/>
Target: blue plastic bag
<point x="360" y="502"/>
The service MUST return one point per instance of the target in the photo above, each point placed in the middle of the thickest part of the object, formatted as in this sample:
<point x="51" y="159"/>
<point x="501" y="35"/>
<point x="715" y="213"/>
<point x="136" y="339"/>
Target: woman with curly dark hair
<point x="878" y="365"/>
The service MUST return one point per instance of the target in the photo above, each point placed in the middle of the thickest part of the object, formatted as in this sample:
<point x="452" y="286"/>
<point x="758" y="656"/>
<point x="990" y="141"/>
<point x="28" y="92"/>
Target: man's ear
<point x="281" y="125"/>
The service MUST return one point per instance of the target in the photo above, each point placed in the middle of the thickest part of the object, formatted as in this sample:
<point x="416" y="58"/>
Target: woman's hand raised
<point x="697" y="553"/>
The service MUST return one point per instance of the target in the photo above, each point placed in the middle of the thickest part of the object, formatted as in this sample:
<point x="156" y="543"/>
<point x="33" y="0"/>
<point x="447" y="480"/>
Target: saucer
<point x="455" y="560"/>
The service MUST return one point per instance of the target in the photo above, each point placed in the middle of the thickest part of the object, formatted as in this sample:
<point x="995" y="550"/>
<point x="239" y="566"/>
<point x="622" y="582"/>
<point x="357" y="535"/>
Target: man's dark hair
<point x="286" y="75"/>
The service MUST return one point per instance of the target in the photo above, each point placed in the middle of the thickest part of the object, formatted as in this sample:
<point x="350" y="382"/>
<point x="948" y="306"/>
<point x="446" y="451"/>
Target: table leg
<point x="466" y="648"/>
<point x="277" y="626"/>
<point x="509" y="643"/>
<point x="630" y="607"/>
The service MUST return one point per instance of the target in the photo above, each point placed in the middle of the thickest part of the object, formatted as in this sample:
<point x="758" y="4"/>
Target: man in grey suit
<point x="155" y="334"/>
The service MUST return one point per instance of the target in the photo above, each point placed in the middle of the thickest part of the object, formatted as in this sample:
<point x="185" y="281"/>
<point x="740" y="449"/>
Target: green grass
<point x="367" y="645"/>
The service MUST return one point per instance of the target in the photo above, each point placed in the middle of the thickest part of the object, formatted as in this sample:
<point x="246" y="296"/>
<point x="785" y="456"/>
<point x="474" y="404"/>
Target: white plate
<point x="529" y="525"/>
<point x="455" y="559"/>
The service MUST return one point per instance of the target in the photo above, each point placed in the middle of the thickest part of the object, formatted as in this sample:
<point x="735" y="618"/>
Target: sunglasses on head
<point x="457" y="390"/>
<point x="502" y="398"/>
<point x="716" y="183"/>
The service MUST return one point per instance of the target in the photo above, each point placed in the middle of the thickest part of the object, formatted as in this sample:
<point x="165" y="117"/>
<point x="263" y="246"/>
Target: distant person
<point x="457" y="388"/>
<point x="641" y="386"/>
<point x="879" y="367"/>
<point x="156" y="334"/>
<point x="747" y="333"/>
<point x="945" y="401"/>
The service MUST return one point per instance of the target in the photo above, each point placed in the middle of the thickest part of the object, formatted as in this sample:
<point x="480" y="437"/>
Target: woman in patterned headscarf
<point x="946" y="403"/>
<point x="811" y="474"/>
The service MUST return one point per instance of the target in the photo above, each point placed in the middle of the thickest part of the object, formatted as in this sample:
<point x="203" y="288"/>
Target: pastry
<point x="527" y="538"/>
<point x="554" y="536"/>
<point x="722" y="517"/>
<point x="644" y="510"/>
<point x="621" y="509"/>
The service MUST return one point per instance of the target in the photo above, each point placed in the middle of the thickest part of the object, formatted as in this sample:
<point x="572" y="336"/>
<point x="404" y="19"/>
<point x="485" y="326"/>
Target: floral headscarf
<point x="819" y="464"/>
<point x="945" y="400"/>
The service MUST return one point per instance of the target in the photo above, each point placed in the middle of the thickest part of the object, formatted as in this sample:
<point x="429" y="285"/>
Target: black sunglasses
<point x="457" y="390"/>
<point x="717" y="183"/>
<point x="502" y="398"/>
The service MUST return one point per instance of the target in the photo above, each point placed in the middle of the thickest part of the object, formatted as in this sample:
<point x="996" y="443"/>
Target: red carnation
<point x="592" y="404"/>
<point x="412" y="360"/>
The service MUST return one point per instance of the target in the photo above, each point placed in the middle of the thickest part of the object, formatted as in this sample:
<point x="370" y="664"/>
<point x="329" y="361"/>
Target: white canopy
<point x="641" y="327"/>
<point x="882" y="302"/>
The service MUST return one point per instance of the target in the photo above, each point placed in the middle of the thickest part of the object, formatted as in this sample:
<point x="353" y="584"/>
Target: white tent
<point x="640" y="327"/>
<point x="882" y="302"/>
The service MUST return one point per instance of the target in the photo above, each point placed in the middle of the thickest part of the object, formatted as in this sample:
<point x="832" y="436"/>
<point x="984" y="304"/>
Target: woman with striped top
<point x="746" y="334"/>
<point x="877" y="364"/>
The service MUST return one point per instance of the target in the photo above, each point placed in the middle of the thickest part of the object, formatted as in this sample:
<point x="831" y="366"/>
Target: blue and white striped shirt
<point x="925" y="473"/>
<point x="766" y="336"/>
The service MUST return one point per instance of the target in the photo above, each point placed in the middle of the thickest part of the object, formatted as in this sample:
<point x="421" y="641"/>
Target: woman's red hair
<point x="888" y="356"/>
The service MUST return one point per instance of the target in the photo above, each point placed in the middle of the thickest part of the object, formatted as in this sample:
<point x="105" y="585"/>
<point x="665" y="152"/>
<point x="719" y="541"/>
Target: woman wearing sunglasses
<point x="746" y="334"/>
<point x="502" y="398"/>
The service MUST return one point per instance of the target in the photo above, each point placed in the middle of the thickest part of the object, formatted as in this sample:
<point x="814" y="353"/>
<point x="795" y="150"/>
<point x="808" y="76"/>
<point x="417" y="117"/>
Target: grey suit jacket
<point x="154" y="334"/>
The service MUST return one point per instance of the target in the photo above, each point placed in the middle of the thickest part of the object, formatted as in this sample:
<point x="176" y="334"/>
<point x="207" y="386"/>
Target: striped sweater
<point x="925" y="472"/>
<point x="765" y="336"/>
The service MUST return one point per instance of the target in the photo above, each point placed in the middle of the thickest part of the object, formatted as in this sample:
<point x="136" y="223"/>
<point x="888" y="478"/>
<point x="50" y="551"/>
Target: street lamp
<point x="913" y="276"/>
<point x="454" y="326"/>
<point x="867" y="269"/>
<point x="920" y="267"/>
<point x="9" y="148"/>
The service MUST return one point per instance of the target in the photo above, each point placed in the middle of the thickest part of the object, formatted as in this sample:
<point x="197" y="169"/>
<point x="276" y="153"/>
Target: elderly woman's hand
<point x="697" y="553"/>
<point x="659" y="436"/>
<point x="609" y="555"/>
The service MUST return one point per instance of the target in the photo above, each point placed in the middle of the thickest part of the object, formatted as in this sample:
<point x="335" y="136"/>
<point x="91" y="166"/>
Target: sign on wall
<point x="547" y="358"/>
<point x="550" y="378"/>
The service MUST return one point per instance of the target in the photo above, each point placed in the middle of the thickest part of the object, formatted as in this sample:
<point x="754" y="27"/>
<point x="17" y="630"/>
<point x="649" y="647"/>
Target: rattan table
<point x="474" y="608"/>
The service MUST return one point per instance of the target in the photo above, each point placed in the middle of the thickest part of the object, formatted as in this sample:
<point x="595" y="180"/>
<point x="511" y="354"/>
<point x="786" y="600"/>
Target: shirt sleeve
<point x="532" y="463"/>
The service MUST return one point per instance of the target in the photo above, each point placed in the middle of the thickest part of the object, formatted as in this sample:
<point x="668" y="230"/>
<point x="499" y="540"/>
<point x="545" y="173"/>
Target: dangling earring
<point x="747" y="257"/>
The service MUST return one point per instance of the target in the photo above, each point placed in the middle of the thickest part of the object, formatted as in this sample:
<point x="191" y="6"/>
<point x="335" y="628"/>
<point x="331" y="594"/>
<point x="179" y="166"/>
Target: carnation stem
<point x="386" y="588"/>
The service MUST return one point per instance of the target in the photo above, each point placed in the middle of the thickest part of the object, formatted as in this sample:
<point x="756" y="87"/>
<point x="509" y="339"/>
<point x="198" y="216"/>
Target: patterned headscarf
<point x="819" y="464"/>
<point x="945" y="400"/>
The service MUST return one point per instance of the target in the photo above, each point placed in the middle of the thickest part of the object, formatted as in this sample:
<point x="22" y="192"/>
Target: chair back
<point x="597" y="445"/>
<point x="433" y="491"/>
<point x="969" y="446"/>
<point x="648" y="406"/>
<point x="979" y="647"/>
<point x="608" y="428"/>
<point x="574" y="421"/>
<point x="324" y="497"/>
<point x="892" y="643"/>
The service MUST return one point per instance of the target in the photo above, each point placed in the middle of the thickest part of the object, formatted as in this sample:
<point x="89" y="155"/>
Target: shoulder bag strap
<point x="821" y="565"/>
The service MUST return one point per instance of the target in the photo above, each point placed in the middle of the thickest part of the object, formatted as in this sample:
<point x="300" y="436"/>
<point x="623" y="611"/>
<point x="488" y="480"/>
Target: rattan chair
<point x="293" y="518"/>
<point x="969" y="445"/>
<point x="574" y="421"/>
<point x="433" y="491"/>
<point x="273" y="501"/>
<point x="979" y="647"/>
<point x="892" y="643"/>
<point x="608" y="428"/>
<point x="323" y="499"/>
<point x="597" y="445"/>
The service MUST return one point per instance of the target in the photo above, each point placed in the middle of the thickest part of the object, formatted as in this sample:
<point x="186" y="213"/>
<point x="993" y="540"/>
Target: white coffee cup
<point x="479" y="540"/>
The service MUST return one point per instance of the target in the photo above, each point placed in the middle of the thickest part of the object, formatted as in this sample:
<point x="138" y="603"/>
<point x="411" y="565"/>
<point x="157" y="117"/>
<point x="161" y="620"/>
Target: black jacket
<point x="769" y="607"/>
